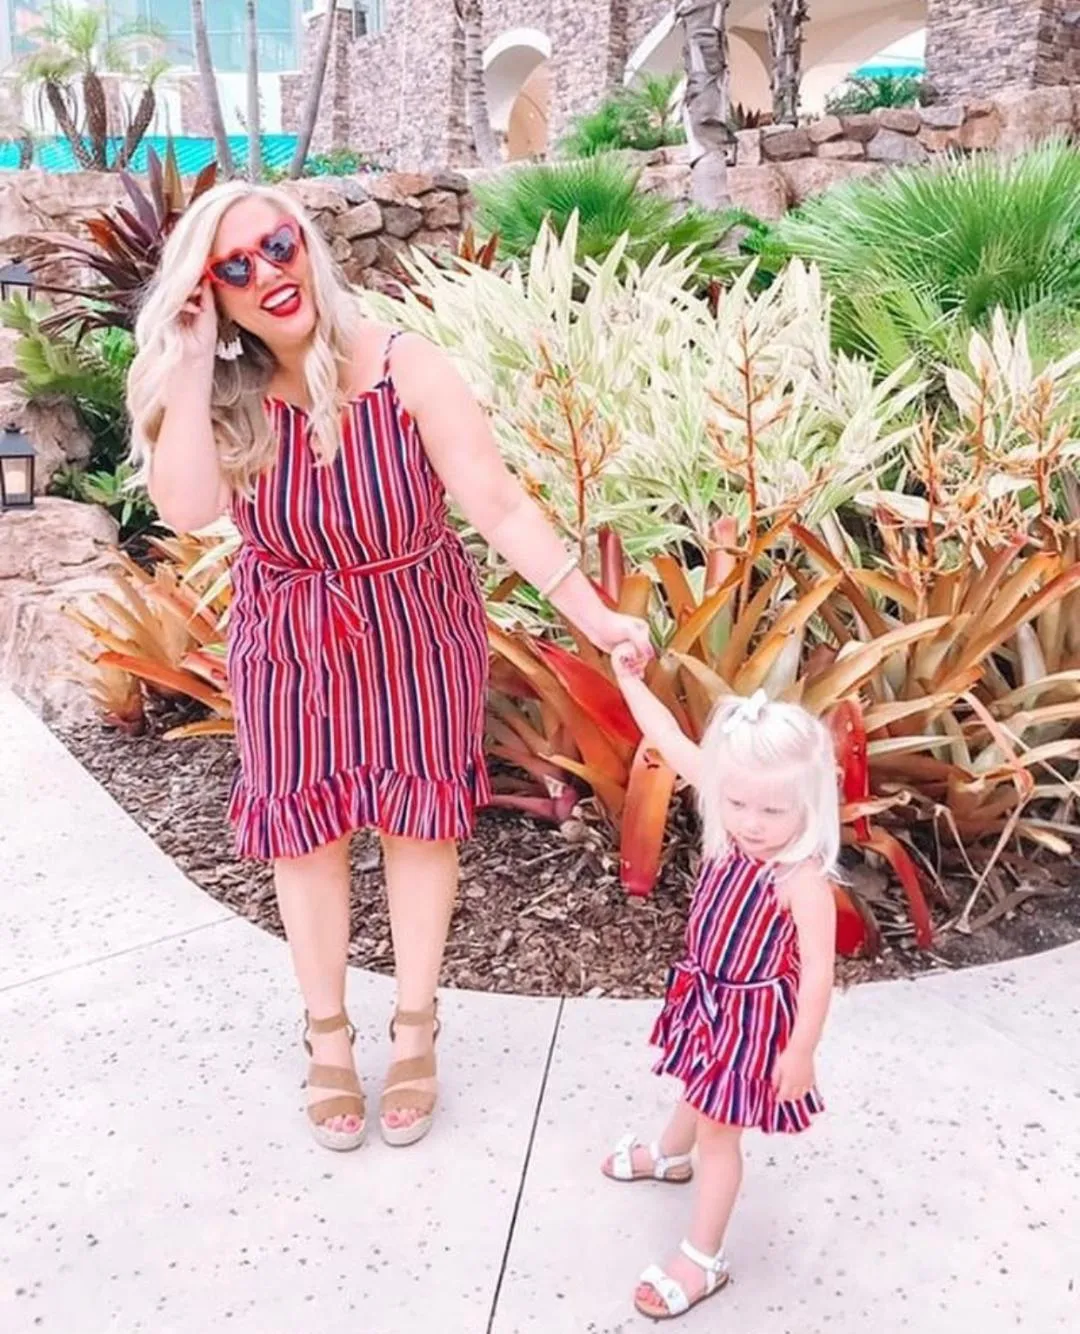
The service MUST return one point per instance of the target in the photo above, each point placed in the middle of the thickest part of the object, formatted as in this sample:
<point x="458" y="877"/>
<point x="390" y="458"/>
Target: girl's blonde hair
<point x="759" y="735"/>
<point x="242" y="429"/>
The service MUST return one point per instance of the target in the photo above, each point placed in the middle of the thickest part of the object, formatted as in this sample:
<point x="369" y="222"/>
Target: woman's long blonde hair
<point x="242" y="429"/>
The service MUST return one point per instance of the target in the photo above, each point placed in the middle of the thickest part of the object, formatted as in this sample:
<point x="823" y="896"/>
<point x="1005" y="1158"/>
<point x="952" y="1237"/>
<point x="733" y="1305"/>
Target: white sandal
<point x="671" y="1293"/>
<point x="675" y="1168"/>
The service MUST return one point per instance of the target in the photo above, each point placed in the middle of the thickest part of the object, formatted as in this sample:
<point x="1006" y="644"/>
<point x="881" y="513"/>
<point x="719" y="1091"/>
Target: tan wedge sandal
<point x="400" y="1093"/>
<point x="349" y="1099"/>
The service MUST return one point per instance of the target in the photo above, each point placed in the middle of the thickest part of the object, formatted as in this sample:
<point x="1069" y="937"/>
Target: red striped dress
<point x="731" y="1001"/>
<point x="357" y="648"/>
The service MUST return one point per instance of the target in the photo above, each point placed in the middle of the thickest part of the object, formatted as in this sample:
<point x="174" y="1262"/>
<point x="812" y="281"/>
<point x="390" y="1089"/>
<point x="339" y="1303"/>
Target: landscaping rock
<point x="904" y="120"/>
<point x="398" y="187"/>
<point x="361" y="220"/>
<point x="445" y="238"/>
<point x="980" y="133"/>
<point x="441" y="208"/>
<point x="340" y="249"/>
<point x="450" y="180"/>
<point x="783" y="143"/>
<point x="1030" y="115"/>
<point x="895" y="148"/>
<point x="860" y="127"/>
<point x="51" y="425"/>
<point x="813" y="176"/>
<point x="673" y="182"/>
<point x="402" y="220"/>
<point x="826" y="129"/>
<point x="949" y="116"/>
<point x="748" y="148"/>
<point x="760" y="190"/>
<point x="319" y="194"/>
<point x="52" y="556"/>
<point x="842" y="150"/>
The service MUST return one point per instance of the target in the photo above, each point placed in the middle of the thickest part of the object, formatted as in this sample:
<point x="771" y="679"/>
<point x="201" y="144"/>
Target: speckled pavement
<point x="155" y="1174"/>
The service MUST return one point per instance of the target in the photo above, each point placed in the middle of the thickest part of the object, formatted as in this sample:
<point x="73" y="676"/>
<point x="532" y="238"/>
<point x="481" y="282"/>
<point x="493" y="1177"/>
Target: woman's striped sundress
<point x="357" y="648"/>
<point x="731" y="1002"/>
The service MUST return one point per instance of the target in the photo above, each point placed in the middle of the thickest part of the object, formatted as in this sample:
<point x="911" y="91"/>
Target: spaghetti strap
<point x="386" y="374"/>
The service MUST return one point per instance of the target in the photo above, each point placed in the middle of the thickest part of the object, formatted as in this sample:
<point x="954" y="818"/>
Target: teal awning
<point x="192" y="155"/>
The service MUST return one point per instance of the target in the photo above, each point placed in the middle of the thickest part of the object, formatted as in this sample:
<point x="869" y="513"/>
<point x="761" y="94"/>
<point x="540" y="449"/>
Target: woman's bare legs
<point x="421" y="885"/>
<point x="313" y="898"/>
<point x="719" y="1176"/>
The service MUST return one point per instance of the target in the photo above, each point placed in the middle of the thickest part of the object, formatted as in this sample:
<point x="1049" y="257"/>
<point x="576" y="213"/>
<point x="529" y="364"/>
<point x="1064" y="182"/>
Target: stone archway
<point x="517" y="72"/>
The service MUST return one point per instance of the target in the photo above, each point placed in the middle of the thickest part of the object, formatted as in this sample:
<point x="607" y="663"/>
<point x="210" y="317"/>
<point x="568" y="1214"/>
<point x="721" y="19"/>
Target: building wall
<point x="976" y="46"/>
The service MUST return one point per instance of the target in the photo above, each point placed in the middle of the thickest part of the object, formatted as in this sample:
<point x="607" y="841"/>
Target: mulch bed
<point x="540" y="912"/>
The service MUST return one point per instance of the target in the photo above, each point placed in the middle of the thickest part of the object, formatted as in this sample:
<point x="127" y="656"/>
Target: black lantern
<point x="16" y="279"/>
<point x="16" y="470"/>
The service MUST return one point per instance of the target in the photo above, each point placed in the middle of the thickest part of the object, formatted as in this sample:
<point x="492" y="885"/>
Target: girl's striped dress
<point x="357" y="649"/>
<point x="730" y="1004"/>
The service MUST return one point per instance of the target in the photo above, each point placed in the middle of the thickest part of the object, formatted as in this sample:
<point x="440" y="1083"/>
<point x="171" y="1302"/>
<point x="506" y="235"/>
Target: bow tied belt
<point x="315" y="601"/>
<point x="687" y="977"/>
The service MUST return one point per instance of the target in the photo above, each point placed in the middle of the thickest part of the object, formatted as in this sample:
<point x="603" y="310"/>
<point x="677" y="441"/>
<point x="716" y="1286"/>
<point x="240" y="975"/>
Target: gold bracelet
<point x="560" y="574"/>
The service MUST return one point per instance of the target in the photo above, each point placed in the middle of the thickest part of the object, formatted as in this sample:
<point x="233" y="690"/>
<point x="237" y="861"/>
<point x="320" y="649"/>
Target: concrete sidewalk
<point x="157" y="1176"/>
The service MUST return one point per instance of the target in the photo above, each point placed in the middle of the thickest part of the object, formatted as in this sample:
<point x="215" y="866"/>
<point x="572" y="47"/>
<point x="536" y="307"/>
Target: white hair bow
<point x="746" y="711"/>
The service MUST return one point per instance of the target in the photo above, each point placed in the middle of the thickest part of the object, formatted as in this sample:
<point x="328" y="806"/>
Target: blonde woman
<point x="357" y="644"/>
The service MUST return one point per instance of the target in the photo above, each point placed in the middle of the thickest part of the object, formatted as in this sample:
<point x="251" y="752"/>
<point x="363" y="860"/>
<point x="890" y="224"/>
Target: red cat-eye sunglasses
<point x="237" y="268"/>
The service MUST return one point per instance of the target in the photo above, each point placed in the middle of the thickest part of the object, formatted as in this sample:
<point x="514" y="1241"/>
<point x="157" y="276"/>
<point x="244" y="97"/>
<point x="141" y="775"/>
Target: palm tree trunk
<point x="786" y="20"/>
<point x="205" y="65"/>
<point x="97" y="118"/>
<point x="310" y="113"/>
<point x="471" y="16"/>
<point x="618" y="52"/>
<point x="139" y="124"/>
<point x="251" y="31"/>
<point x="708" y="94"/>
<point x="56" y="94"/>
<point x="459" y="149"/>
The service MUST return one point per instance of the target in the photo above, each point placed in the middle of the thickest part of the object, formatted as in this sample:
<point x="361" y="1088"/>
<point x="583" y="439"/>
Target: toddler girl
<point x="746" y="1005"/>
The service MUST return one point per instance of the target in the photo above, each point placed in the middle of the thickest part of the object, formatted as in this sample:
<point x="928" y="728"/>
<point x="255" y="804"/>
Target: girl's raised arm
<point x="656" y="722"/>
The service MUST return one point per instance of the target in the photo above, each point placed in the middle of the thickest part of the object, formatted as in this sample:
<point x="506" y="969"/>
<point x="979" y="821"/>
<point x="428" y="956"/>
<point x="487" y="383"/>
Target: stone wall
<point x="369" y="220"/>
<point x="974" y="46"/>
<point x="780" y="166"/>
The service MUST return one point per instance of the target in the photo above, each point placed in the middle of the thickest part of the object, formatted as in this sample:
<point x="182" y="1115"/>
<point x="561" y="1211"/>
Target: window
<point x="368" y="16"/>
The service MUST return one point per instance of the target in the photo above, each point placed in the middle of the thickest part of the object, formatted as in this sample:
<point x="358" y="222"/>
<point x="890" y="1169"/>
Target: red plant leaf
<point x="898" y="857"/>
<point x="845" y="722"/>
<point x="598" y="697"/>
<point x="644" y="820"/>
<point x="857" y="934"/>
<point x="612" y="563"/>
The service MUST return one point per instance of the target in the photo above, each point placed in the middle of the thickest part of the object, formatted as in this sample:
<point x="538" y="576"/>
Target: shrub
<point x="860" y="95"/>
<point x="644" y="117"/>
<point x="602" y="193"/>
<point x="915" y="259"/>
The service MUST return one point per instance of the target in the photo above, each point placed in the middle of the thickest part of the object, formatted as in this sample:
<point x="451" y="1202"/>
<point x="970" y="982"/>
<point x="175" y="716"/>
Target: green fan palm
<point x="602" y="191"/>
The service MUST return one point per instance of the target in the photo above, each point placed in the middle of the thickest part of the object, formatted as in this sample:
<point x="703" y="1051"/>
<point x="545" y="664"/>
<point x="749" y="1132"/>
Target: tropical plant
<point x="310" y="113"/>
<point x="122" y="250"/>
<point x="786" y="22"/>
<point x="915" y="259"/>
<point x="644" y="116"/>
<point x="253" y="114"/>
<point x="74" y="47"/>
<point x="204" y="63"/>
<point x="864" y="93"/>
<point x="602" y="193"/>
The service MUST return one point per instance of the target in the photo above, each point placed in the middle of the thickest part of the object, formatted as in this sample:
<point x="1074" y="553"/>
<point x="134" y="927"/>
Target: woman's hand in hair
<point x="198" y="323"/>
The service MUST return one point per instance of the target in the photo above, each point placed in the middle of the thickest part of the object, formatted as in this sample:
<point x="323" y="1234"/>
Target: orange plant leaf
<point x="593" y="692"/>
<point x="648" y="799"/>
<point x="169" y="679"/>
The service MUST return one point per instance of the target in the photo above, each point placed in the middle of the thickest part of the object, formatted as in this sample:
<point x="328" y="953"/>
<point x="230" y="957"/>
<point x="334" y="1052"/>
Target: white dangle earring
<point x="229" y="349"/>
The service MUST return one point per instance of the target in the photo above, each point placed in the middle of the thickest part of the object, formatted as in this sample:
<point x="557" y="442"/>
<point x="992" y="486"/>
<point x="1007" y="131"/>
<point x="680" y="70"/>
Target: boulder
<point x="54" y="556"/>
<point x="673" y="182"/>
<point x="826" y="129"/>
<point x="51" y="425"/>
<point x="318" y="194"/>
<point x="748" y="148"/>
<point x="895" y="148"/>
<point x="441" y="208"/>
<point x="1030" y="115"/>
<point x="949" y="116"/>
<point x="904" y="120"/>
<point x="398" y="187"/>
<point x="842" y="150"/>
<point x="762" y="190"/>
<point x="783" y="143"/>
<point x="814" y="175"/>
<point x="402" y="220"/>
<point x="361" y="220"/>
<point x="861" y="127"/>
<point x="979" y="133"/>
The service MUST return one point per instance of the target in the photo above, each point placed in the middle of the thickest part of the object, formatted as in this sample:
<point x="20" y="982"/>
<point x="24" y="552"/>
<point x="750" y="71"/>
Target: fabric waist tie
<point x="317" y="601"/>
<point x="686" y="976"/>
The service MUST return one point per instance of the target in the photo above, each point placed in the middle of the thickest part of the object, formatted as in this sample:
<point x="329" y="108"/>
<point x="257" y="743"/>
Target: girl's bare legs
<point x="719" y="1176"/>
<point x="677" y="1138"/>
<point x="313" y="898"/>
<point x="421" y="885"/>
